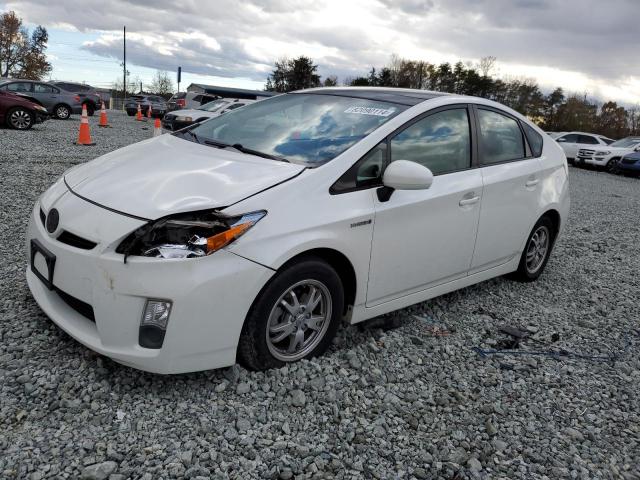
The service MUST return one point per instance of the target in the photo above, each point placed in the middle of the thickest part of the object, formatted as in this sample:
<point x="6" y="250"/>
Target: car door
<point x="512" y="183"/>
<point x="423" y="238"/>
<point x="47" y="95"/>
<point x="569" y="144"/>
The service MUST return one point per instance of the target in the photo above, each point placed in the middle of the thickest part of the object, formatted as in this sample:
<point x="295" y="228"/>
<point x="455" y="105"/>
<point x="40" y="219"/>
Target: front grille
<point x="76" y="241"/>
<point x="628" y="161"/>
<point x="43" y="217"/>
<point x="78" y="305"/>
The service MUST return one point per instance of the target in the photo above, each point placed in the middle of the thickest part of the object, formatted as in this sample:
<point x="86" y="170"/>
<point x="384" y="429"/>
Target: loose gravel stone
<point x="402" y="396"/>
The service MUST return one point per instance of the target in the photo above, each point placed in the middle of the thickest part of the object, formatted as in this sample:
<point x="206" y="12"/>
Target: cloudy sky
<point x="585" y="46"/>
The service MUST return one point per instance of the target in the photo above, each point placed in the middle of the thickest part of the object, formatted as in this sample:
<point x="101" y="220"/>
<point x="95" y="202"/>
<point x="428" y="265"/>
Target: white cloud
<point x="581" y="45"/>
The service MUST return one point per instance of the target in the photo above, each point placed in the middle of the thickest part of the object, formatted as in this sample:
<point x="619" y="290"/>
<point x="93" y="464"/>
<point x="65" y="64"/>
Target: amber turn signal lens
<point x="221" y="239"/>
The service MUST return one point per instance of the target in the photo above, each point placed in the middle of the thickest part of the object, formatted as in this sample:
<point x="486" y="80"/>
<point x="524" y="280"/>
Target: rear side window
<point x="500" y="138"/>
<point x="534" y="139"/>
<point x="440" y="142"/>
<point x="588" y="139"/>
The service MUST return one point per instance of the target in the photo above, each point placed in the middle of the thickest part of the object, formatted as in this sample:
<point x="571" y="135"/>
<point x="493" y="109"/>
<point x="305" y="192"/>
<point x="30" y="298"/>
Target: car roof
<point x="402" y="96"/>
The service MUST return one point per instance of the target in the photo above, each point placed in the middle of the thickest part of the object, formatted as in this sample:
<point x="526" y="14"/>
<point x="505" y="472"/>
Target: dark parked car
<point x="630" y="164"/>
<point x="19" y="113"/>
<point x="88" y="95"/>
<point x="59" y="103"/>
<point x="158" y="105"/>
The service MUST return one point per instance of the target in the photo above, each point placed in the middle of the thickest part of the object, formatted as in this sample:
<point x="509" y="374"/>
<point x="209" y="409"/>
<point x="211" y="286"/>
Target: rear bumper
<point x="210" y="298"/>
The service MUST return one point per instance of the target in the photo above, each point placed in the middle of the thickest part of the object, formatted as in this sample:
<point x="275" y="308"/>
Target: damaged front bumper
<point x="99" y="300"/>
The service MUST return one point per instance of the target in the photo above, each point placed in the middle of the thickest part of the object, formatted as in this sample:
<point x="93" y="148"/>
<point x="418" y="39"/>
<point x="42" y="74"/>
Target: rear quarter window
<point x="534" y="138"/>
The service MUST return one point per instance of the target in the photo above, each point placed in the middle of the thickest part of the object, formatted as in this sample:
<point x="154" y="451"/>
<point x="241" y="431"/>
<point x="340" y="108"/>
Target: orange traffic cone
<point x="139" y="114"/>
<point x="157" y="128"/>
<point x="103" y="117"/>
<point x="84" y="136"/>
<point x="149" y="112"/>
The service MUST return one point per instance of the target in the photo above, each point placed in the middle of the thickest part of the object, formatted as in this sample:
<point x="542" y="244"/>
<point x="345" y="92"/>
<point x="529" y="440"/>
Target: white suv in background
<point x="608" y="156"/>
<point x="571" y="142"/>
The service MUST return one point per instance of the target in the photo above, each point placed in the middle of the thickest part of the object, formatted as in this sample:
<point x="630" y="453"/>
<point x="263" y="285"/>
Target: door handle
<point x="468" y="201"/>
<point x="532" y="183"/>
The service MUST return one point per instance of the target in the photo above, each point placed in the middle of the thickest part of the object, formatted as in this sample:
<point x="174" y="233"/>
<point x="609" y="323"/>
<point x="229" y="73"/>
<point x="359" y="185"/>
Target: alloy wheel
<point x="20" y="119"/>
<point x="537" y="249"/>
<point x="62" y="112"/>
<point x="299" y="320"/>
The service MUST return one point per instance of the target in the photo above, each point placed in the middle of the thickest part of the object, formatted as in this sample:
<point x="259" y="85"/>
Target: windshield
<point x="213" y="106"/>
<point x="302" y="128"/>
<point x="626" y="142"/>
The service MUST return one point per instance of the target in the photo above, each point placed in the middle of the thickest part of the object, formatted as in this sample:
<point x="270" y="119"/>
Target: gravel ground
<point x="414" y="401"/>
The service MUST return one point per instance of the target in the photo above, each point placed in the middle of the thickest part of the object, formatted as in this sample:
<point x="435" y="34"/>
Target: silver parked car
<point x="88" y="95"/>
<point x="58" y="102"/>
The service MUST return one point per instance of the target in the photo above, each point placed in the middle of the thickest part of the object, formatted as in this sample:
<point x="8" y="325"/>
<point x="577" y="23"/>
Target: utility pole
<point x="124" y="63"/>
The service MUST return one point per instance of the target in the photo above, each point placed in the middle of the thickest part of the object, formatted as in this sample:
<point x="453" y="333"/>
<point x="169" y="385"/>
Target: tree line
<point x="554" y="111"/>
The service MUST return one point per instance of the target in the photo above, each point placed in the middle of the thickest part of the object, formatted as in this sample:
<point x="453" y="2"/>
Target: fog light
<point x="153" y="324"/>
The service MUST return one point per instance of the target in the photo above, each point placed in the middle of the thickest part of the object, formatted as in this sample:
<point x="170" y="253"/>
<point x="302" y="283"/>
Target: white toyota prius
<point x="249" y="237"/>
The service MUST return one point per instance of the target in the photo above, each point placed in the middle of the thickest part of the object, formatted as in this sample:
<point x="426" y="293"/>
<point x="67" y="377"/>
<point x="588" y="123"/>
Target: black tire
<point x="524" y="273"/>
<point x="612" y="165"/>
<point x="20" y="118"/>
<point x="62" y="111"/>
<point x="254" y="350"/>
<point x="91" y="109"/>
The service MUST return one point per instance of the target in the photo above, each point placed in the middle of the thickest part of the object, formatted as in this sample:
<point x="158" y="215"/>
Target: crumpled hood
<point x="167" y="174"/>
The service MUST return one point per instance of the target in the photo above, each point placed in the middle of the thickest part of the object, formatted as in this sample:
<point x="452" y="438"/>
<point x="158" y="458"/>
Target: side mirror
<point x="637" y="149"/>
<point x="404" y="175"/>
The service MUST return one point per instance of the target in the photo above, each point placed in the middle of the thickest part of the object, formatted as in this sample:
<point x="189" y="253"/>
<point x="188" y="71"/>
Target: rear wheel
<point x="20" y="118"/>
<point x="294" y="317"/>
<point x="536" y="251"/>
<point x="62" y="112"/>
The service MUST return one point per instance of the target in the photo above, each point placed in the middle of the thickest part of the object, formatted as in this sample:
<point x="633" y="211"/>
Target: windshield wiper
<point x="246" y="150"/>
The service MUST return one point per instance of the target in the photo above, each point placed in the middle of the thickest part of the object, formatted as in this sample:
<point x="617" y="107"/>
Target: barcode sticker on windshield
<point x="378" y="112"/>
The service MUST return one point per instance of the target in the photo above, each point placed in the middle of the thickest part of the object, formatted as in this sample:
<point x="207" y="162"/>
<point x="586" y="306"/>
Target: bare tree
<point x="486" y="65"/>
<point x="22" y="55"/>
<point x="161" y="84"/>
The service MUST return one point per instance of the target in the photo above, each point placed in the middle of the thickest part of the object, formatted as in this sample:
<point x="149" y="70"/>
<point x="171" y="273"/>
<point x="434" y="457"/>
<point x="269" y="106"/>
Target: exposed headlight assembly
<point x="187" y="235"/>
<point x="181" y="118"/>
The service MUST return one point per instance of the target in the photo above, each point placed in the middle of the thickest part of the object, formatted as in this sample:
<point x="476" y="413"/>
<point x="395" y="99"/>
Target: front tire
<point x="20" y="119"/>
<point x="62" y="112"/>
<point x="295" y="316"/>
<point x="536" y="252"/>
<point x="612" y="166"/>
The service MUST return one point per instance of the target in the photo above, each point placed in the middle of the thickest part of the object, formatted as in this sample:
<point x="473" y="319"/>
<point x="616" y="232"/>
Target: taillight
<point x="180" y="102"/>
<point x="77" y="98"/>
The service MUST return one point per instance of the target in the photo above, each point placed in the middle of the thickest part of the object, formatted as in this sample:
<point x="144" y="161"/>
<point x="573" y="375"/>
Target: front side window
<point x="500" y="138"/>
<point x="19" y="87"/>
<point x="440" y="142"/>
<point x="310" y="129"/>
